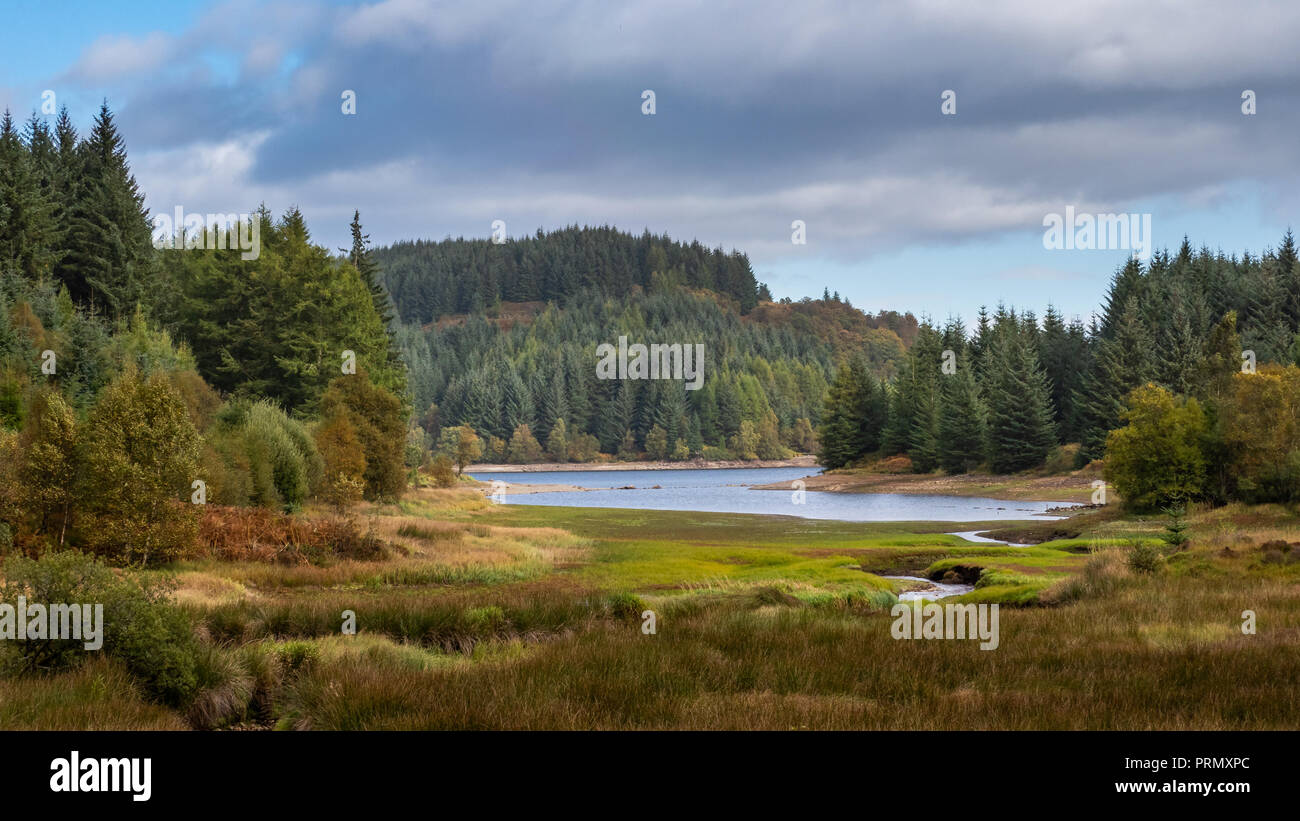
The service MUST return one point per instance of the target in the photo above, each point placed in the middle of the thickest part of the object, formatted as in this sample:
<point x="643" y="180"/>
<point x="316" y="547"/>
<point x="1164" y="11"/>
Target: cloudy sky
<point x="531" y="112"/>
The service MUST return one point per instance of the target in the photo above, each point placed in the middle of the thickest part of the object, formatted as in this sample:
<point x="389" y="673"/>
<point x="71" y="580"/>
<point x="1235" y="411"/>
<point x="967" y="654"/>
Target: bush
<point x="141" y="627"/>
<point x="716" y="454"/>
<point x="1144" y="558"/>
<point x="444" y="475"/>
<point x="140" y="455"/>
<point x="282" y="461"/>
<point x="379" y="421"/>
<point x="259" y="535"/>
<point x="1062" y="459"/>
<point x="1156" y="460"/>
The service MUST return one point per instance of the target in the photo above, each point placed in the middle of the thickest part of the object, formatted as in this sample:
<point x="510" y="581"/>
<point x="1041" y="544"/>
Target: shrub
<point x="280" y="458"/>
<point x="260" y="535"/>
<point x="1156" y="459"/>
<point x="1062" y="459"/>
<point x="444" y="475"/>
<point x="141" y="627"/>
<point x="140" y="454"/>
<point x="583" y="447"/>
<point x="379" y="420"/>
<point x="1144" y="558"/>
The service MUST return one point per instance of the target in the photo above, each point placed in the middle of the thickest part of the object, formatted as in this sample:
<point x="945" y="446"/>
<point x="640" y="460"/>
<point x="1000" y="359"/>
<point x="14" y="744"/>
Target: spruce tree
<point x="963" y="423"/>
<point x="360" y="256"/>
<point x="1019" y="404"/>
<point x="1123" y="362"/>
<point x="913" y="413"/>
<point x="109" y="259"/>
<point x="28" y="233"/>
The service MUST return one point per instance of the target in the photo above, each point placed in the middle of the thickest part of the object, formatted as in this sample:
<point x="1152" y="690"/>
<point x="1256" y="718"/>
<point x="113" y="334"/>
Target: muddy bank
<point x="521" y="489"/>
<point x="1070" y="487"/>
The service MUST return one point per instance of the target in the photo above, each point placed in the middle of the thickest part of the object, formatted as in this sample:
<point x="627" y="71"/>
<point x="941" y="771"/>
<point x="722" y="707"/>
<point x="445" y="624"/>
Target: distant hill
<point x="428" y="279"/>
<point x="499" y="337"/>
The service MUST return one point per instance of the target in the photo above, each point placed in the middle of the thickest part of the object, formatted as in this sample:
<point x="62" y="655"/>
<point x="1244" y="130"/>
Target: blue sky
<point x="766" y="112"/>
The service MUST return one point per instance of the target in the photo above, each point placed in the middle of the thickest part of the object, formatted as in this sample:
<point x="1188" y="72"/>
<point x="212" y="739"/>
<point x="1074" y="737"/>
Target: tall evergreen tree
<point x="1019" y="403"/>
<point x="1123" y="362"/>
<point x="963" y="421"/>
<point x="109" y="259"/>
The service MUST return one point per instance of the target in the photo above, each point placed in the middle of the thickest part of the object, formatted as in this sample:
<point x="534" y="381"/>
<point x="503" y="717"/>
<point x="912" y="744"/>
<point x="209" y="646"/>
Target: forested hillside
<point x="506" y="337"/>
<point x="430" y="279"/>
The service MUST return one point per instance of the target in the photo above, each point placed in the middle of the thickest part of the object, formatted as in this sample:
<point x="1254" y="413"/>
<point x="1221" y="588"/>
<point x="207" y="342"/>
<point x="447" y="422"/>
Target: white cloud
<point x="114" y="56"/>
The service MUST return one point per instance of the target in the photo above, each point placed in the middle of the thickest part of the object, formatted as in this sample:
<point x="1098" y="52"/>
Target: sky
<point x="828" y="113"/>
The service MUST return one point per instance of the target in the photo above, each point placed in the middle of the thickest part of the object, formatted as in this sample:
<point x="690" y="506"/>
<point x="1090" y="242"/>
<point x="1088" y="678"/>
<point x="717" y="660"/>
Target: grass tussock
<point x="99" y="695"/>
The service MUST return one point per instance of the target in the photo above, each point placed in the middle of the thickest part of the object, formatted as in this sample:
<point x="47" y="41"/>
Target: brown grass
<point x="100" y="695"/>
<point x="259" y="535"/>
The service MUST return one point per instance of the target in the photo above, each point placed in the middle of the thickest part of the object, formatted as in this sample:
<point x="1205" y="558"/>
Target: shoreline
<point x="1073" y="487"/>
<point x="805" y="461"/>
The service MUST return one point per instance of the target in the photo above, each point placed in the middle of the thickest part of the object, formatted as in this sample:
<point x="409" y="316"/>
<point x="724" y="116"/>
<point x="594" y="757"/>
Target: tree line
<point x="530" y="388"/>
<point x="1017" y="391"/>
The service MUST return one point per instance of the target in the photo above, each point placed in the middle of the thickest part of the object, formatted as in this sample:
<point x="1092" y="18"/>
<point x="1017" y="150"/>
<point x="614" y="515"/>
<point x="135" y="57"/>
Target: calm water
<point x="730" y="491"/>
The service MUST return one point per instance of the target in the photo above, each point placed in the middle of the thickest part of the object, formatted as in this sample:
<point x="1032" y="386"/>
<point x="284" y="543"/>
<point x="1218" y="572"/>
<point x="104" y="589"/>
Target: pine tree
<point x="913" y="412"/>
<point x="1019" y="404"/>
<point x="109" y="256"/>
<point x="963" y="423"/>
<point x="1220" y="359"/>
<point x="362" y="259"/>
<point x="1288" y="271"/>
<point x="1061" y="349"/>
<point x="1123" y="362"/>
<point x="27" y="209"/>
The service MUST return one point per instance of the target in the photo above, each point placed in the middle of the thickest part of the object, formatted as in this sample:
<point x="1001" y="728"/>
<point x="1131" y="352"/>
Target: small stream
<point x="933" y="590"/>
<point x="942" y="590"/>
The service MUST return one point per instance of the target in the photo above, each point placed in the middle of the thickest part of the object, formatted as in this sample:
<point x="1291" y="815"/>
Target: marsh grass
<point x="519" y="617"/>
<point x="99" y="695"/>
<point x="1141" y="658"/>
